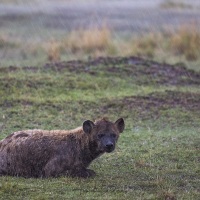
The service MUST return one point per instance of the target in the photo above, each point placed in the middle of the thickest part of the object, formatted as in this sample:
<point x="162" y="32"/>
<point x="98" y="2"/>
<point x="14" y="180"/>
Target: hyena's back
<point x="25" y="153"/>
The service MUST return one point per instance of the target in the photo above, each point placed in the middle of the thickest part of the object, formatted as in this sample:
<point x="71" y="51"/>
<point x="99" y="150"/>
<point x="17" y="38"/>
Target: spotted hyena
<point x="42" y="153"/>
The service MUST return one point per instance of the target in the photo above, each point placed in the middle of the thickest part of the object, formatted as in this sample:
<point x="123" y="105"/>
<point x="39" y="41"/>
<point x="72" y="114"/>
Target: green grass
<point x="157" y="156"/>
<point x="171" y="4"/>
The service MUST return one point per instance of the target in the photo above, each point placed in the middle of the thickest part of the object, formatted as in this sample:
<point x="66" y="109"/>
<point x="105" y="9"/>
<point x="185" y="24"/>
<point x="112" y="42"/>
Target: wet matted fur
<point x="43" y="153"/>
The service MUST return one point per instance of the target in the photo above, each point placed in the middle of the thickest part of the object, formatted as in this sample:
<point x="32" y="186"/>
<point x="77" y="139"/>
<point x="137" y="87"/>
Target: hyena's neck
<point x="90" y="153"/>
<point x="94" y="152"/>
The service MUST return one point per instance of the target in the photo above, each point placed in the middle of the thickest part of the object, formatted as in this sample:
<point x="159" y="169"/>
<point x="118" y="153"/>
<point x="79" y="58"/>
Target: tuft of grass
<point x="5" y="42"/>
<point x="174" y="4"/>
<point x="167" y="195"/>
<point x="88" y="41"/>
<point x="53" y="49"/>
<point x="8" y="188"/>
<point x="186" y="41"/>
<point x="146" y="45"/>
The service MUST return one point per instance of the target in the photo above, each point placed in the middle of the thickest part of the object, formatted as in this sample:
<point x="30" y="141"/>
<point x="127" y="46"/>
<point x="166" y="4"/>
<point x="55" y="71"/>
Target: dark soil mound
<point x="139" y="70"/>
<point x="142" y="71"/>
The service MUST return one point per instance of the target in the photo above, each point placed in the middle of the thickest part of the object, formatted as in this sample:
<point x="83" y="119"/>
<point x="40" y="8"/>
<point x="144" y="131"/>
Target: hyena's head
<point x="103" y="133"/>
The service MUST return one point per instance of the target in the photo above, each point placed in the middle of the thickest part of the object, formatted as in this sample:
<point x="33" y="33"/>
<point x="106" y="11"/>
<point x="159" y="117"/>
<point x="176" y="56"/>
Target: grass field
<point x="158" y="154"/>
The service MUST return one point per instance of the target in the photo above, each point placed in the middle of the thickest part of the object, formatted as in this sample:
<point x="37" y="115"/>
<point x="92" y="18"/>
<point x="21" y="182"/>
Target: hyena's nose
<point x="109" y="147"/>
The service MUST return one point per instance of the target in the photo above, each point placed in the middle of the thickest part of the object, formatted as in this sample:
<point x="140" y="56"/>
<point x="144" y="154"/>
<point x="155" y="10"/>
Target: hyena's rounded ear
<point x="88" y="126"/>
<point x="120" y="124"/>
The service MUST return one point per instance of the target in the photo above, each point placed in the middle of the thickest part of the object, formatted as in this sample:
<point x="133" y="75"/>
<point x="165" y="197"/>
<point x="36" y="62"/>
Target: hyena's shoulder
<point x="20" y="134"/>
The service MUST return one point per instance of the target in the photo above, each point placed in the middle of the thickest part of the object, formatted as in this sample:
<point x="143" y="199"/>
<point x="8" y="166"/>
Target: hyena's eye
<point x="113" y="135"/>
<point x="101" y="135"/>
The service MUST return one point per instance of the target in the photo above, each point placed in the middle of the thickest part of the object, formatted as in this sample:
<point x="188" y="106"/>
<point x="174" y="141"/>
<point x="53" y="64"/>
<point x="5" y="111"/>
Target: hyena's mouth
<point x="109" y="149"/>
<point x="106" y="150"/>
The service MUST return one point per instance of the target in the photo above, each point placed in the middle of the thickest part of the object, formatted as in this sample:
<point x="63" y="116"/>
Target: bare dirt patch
<point x="141" y="70"/>
<point x="171" y="107"/>
<point x="161" y="101"/>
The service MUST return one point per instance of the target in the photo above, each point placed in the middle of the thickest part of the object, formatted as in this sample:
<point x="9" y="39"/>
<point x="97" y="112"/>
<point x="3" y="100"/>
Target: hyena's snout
<point x="108" y="144"/>
<point x="109" y="147"/>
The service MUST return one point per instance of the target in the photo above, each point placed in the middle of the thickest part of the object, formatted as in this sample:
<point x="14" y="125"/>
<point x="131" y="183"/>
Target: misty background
<point x="34" y="32"/>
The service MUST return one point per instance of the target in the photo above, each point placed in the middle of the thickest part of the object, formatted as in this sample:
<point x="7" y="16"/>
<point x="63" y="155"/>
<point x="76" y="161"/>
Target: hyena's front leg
<point x="54" y="168"/>
<point x="82" y="172"/>
<point x="3" y="165"/>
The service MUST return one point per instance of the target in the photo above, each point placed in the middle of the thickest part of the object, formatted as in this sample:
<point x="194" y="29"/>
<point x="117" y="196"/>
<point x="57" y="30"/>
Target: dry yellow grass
<point x="5" y="42"/>
<point x="2" y="42"/>
<point x="186" y="41"/>
<point x="171" y="4"/>
<point x="146" y="45"/>
<point x="53" y="49"/>
<point x="88" y="41"/>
